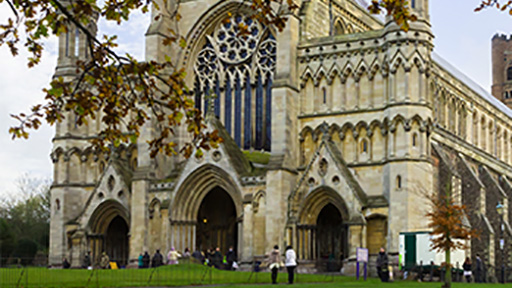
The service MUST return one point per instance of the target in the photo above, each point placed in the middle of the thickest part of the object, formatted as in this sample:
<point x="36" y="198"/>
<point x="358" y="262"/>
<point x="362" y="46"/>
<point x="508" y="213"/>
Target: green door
<point x="410" y="251"/>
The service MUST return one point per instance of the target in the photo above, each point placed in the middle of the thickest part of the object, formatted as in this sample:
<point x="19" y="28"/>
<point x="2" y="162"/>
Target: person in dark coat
<point x="217" y="258"/>
<point x="198" y="255"/>
<point x="230" y="258"/>
<point x="158" y="259"/>
<point x="145" y="260"/>
<point x="479" y="271"/>
<point x="382" y="265"/>
<point x="467" y="269"/>
<point x="65" y="263"/>
<point x="87" y="260"/>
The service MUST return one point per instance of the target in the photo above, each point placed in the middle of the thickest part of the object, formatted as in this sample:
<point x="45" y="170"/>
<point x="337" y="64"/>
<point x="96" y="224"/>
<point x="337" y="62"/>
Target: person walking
<point x="290" y="262"/>
<point x="274" y="263"/>
<point x="479" y="269"/>
<point x="467" y="269"/>
<point x="158" y="259"/>
<point x="382" y="265"/>
<point x="172" y="256"/>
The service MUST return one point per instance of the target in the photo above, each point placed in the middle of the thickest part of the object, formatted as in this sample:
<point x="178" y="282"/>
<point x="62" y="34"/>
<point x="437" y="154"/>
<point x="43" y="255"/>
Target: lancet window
<point x="238" y="69"/>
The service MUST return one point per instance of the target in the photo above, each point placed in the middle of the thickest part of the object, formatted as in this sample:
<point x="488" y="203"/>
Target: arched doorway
<point x="116" y="241"/>
<point x="322" y="229"/>
<point x="108" y="232"/>
<point x="216" y="222"/>
<point x="331" y="238"/>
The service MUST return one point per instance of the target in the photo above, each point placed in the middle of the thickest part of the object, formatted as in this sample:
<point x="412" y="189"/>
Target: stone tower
<point x="502" y="68"/>
<point x="70" y="153"/>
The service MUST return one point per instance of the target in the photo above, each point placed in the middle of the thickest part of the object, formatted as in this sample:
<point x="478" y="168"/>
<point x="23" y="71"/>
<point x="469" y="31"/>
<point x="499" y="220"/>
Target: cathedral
<point x="334" y="129"/>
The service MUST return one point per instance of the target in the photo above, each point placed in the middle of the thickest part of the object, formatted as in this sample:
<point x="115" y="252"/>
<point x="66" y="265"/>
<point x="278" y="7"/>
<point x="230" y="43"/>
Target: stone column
<point x="246" y="252"/>
<point x="165" y="229"/>
<point x="285" y="97"/>
<point x="57" y="235"/>
<point x="138" y="218"/>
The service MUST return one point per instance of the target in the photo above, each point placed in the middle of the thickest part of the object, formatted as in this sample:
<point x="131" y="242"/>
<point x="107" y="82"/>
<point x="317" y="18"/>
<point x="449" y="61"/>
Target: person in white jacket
<point x="290" y="262"/>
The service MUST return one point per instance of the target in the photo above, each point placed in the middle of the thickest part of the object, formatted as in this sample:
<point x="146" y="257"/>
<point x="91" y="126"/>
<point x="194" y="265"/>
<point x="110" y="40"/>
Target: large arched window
<point x="239" y="69"/>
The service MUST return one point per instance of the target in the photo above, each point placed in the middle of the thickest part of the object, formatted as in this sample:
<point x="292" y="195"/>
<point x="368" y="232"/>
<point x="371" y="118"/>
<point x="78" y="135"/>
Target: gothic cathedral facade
<point x="333" y="130"/>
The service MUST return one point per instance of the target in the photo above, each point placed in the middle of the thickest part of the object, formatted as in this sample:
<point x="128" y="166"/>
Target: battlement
<point x="501" y="37"/>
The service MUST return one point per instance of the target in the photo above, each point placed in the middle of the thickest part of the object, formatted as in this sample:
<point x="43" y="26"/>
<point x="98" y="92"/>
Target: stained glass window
<point x="239" y="69"/>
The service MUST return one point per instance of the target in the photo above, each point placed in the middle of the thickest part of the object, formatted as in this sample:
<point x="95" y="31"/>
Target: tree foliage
<point x="498" y="4"/>
<point x="445" y="219"/>
<point x="25" y="219"/>
<point x="449" y="231"/>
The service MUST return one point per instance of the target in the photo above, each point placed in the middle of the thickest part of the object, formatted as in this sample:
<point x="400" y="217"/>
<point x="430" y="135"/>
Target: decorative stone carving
<point x="322" y="167"/>
<point x="216" y="156"/>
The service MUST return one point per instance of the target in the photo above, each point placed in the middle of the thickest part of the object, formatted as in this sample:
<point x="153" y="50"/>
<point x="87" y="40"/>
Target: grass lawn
<point x="185" y="275"/>
<point x="175" y="275"/>
<point x="345" y="282"/>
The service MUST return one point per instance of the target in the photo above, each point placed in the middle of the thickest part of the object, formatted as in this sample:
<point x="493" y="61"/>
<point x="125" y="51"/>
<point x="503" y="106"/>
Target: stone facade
<point x="333" y="129"/>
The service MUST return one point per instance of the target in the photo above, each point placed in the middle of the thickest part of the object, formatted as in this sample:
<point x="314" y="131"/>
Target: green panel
<point x="410" y="251"/>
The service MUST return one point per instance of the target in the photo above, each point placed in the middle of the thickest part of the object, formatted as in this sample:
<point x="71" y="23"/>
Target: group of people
<point x="214" y="258"/>
<point x="158" y="260"/>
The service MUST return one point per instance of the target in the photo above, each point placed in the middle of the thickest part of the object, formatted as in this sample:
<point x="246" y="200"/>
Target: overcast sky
<point x="462" y="38"/>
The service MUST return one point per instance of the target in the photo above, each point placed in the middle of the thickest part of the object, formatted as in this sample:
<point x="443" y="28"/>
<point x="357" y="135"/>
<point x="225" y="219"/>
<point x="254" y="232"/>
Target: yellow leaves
<point x="445" y="219"/>
<point x="183" y="43"/>
<point x="398" y="9"/>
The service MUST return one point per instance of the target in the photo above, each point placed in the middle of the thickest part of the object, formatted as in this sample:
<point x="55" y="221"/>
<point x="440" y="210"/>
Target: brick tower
<point x="502" y="68"/>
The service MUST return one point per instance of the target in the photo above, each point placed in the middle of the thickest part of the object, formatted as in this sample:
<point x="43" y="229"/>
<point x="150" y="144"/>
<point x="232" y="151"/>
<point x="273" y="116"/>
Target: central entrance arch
<point x="216" y="222"/>
<point x="208" y="193"/>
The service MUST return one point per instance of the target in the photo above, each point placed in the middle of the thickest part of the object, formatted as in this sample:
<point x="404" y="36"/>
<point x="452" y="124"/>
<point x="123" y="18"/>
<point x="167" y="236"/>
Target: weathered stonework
<point x="362" y="118"/>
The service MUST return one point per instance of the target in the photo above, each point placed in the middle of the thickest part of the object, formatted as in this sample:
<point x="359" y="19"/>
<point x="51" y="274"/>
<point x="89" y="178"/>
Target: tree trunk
<point x="448" y="275"/>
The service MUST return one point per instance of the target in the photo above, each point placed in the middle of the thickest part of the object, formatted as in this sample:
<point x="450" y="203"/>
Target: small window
<point x="324" y="92"/>
<point x="398" y="182"/>
<point x="414" y="140"/>
<point x="509" y="73"/>
<point x="413" y="4"/>
<point x="77" y="42"/>
<point x="67" y="44"/>
<point x="364" y="146"/>
<point x="57" y="204"/>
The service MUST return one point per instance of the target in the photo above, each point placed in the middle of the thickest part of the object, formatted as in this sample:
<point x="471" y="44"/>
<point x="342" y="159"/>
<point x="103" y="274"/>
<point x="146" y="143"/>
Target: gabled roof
<point x="236" y="157"/>
<point x="330" y="147"/>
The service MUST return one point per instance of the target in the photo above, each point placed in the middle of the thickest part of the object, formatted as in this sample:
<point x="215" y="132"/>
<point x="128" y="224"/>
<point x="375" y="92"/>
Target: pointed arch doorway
<point x="116" y="241"/>
<point x="216" y="222"/>
<point x="322" y="230"/>
<point x="109" y="232"/>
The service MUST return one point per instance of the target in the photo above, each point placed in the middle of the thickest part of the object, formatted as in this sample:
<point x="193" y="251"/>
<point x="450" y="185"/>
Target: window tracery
<point x="238" y="68"/>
